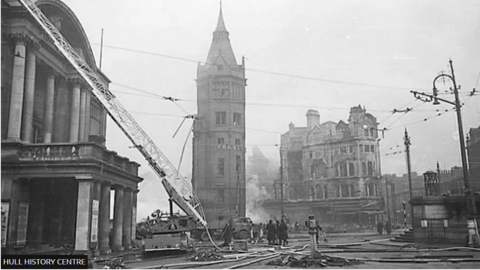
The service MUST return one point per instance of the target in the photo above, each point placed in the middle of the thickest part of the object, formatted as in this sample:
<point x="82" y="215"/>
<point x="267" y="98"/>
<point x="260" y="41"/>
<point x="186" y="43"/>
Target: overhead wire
<point x="259" y="70"/>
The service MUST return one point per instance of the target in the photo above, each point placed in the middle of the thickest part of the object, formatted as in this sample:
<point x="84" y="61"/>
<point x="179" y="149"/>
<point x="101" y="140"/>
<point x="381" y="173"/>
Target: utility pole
<point x="386" y="198"/>
<point x="470" y="201"/>
<point x="407" y="151"/>
<point x="281" y="183"/>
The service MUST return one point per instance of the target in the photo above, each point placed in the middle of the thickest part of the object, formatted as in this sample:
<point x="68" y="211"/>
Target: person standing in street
<point x="271" y="232"/>
<point x="283" y="233"/>
<point x="380" y="227"/>
<point x="388" y="227"/>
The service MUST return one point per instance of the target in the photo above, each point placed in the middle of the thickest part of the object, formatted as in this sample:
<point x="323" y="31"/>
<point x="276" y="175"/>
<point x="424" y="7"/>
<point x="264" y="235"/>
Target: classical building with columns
<point x="332" y="170"/>
<point x="57" y="174"/>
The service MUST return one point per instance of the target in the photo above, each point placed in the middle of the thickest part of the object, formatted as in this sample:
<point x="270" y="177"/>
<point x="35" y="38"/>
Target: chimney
<point x="291" y="126"/>
<point x="313" y="119"/>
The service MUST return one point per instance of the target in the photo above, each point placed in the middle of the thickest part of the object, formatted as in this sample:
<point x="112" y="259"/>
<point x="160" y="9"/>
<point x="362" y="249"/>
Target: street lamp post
<point x="407" y="152"/>
<point x="471" y="209"/>
<point x="387" y="198"/>
<point x="281" y="183"/>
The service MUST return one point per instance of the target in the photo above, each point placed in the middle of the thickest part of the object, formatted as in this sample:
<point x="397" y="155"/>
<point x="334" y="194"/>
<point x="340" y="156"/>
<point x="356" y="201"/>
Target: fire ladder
<point x="156" y="159"/>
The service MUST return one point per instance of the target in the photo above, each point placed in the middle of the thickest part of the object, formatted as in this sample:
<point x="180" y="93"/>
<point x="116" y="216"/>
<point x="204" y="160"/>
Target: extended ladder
<point x="156" y="159"/>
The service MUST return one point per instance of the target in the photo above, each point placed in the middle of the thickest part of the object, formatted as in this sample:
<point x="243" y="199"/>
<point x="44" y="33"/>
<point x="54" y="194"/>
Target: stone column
<point x="87" y="115"/>
<point x="94" y="243"/>
<point x="83" y="99"/>
<point x="48" y="117"/>
<point x="27" y="122"/>
<point x="104" y="125"/>
<point x="16" y="97"/>
<point x="118" y="220"/>
<point x="84" y="210"/>
<point x="75" y="113"/>
<point x="127" y="219"/>
<point x="62" y="112"/>
<point x="134" y="215"/>
<point x="104" y="220"/>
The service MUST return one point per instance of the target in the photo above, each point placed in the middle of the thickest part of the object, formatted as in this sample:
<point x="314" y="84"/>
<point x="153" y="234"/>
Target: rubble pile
<point x="206" y="257"/>
<point x="306" y="261"/>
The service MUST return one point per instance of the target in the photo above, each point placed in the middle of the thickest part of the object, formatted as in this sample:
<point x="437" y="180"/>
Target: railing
<point x="71" y="151"/>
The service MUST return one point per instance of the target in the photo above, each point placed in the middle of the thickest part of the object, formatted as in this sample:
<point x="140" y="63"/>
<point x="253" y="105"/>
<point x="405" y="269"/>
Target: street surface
<point x="372" y="250"/>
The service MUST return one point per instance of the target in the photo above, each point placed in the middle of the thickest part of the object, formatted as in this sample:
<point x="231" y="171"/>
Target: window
<point x="95" y="118"/>
<point x="343" y="150"/>
<point x="370" y="168"/>
<point x="367" y="148"/>
<point x="351" y="149"/>
<point x="343" y="167"/>
<point x="220" y="118"/>
<point x="221" y="141"/>
<point x="364" y="168"/>
<point x="237" y="142"/>
<point x="372" y="132"/>
<point x="220" y="90"/>
<point x="319" y="192"/>
<point x="361" y="148"/>
<point x="237" y="119"/>
<point x="345" y="190"/>
<point x="312" y="171"/>
<point x="312" y="192"/>
<point x="221" y="166"/>
<point x="352" y="190"/>
<point x="365" y="132"/>
<point x="221" y="195"/>
<point x="238" y="166"/>
<point x="372" y="148"/>
<point x="351" y="169"/>
<point x="325" y="192"/>
<point x="311" y="154"/>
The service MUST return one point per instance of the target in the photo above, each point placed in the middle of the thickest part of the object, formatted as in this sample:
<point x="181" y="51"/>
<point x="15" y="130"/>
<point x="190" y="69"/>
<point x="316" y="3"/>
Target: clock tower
<point x="219" y="131"/>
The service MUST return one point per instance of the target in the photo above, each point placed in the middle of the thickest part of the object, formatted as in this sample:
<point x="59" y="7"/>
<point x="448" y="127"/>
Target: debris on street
<point x="206" y="256"/>
<point x="306" y="261"/>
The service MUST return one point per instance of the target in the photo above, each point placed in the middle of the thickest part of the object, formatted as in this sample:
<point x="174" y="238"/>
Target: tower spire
<point x="221" y="24"/>
<point x="221" y="47"/>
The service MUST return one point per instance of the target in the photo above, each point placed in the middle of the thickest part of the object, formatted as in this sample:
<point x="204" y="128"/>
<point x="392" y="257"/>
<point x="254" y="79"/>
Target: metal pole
<point x="471" y="209"/>
<point x="101" y="50"/>
<point x="386" y="198"/>
<point x="394" y="205"/>
<point x="407" y="150"/>
<point x="404" y="214"/>
<point x="281" y="184"/>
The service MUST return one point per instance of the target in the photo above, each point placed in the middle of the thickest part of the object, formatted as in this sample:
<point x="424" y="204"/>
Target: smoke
<point x="255" y="195"/>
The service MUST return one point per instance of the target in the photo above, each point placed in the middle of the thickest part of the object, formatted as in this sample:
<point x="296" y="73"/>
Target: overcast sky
<point x="333" y="54"/>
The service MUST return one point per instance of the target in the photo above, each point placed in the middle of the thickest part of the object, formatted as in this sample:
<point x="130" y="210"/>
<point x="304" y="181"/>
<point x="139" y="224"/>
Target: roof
<point x="221" y="51"/>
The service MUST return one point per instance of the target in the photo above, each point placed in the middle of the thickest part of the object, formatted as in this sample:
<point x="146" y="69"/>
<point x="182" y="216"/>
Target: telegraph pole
<point x="470" y="201"/>
<point x="407" y="151"/>
<point x="281" y="184"/>
<point x="386" y="198"/>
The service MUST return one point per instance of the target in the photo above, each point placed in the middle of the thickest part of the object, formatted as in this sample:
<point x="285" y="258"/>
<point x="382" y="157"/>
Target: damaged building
<point x="331" y="170"/>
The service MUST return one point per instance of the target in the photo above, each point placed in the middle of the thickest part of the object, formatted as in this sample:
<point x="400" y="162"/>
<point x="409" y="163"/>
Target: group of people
<point x="277" y="233"/>
<point x="388" y="227"/>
